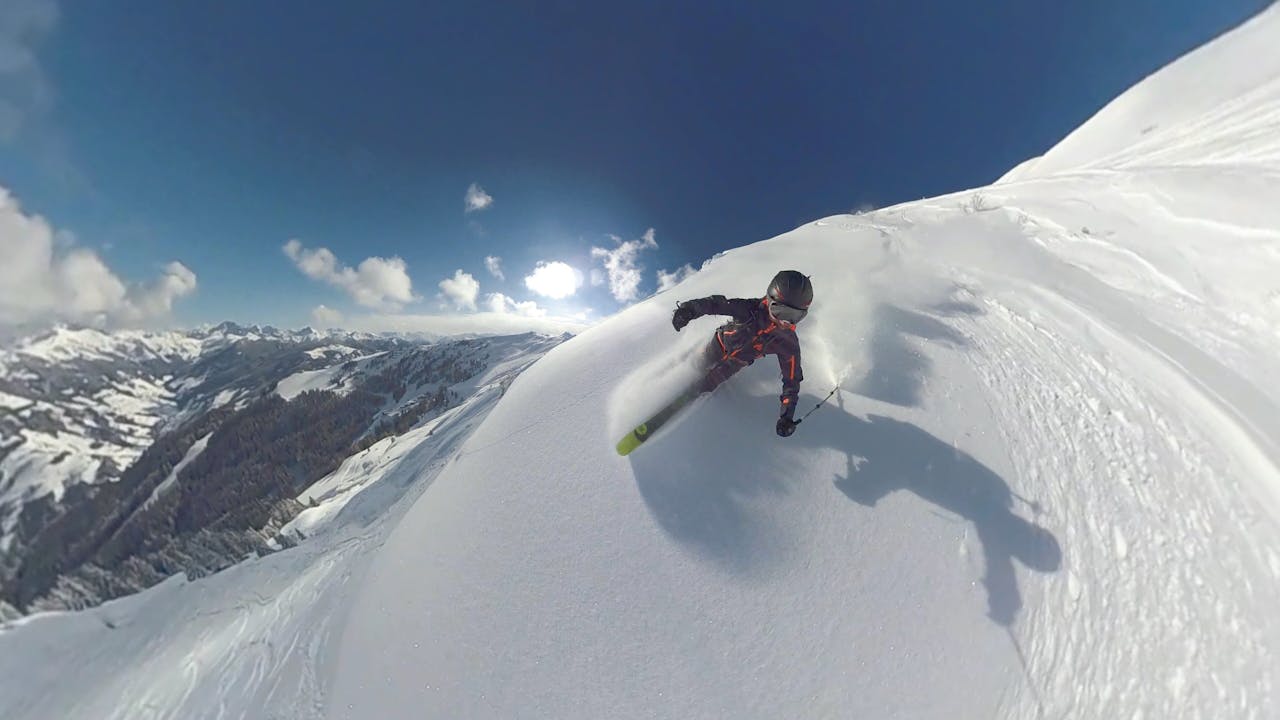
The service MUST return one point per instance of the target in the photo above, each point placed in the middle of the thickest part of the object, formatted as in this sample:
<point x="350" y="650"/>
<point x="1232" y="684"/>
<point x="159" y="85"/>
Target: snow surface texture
<point x="1049" y="484"/>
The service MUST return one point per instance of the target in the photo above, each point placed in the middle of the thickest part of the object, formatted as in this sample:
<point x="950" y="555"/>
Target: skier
<point x="759" y="327"/>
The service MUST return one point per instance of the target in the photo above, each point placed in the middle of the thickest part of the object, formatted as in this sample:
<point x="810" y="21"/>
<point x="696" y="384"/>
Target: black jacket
<point x="751" y="335"/>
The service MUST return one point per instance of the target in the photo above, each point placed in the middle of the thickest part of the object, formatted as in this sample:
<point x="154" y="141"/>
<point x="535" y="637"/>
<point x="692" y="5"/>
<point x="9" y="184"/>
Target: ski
<point x="646" y="429"/>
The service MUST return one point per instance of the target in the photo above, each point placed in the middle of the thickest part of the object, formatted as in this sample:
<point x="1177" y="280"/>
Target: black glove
<point x="786" y="426"/>
<point x="682" y="316"/>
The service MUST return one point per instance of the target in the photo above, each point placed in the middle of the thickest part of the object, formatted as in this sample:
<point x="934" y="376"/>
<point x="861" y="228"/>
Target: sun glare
<point x="554" y="280"/>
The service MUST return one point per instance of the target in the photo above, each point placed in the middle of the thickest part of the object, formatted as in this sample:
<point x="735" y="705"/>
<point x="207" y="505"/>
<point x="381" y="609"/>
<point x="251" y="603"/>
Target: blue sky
<point x="212" y="134"/>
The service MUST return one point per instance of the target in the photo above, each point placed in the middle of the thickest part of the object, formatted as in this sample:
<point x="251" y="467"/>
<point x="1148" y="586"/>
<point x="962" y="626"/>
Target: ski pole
<point x="815" y="407"/>
<point x="1035" y="506"/>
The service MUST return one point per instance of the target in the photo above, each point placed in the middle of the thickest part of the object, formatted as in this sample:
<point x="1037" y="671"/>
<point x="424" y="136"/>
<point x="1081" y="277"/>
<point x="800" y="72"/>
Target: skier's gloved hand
<point x="682" y="316"/>
<point x="786" y="426"/>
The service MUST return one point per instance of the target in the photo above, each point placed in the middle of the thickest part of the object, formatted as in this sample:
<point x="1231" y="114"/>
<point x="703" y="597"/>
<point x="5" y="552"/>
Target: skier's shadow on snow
<point x="887" y="455"/>
<point x="898" y="366"/>
<point x="702" y="479"/>
<point x="706" y="484"/>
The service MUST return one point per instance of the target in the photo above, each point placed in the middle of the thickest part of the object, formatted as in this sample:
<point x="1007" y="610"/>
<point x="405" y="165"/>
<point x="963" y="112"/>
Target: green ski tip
<point x="631" y="440"/>
<point x="646" y="429"/>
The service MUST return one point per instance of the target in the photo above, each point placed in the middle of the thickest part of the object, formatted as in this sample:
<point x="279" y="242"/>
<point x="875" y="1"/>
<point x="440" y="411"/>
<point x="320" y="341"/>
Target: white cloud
<point x="493" y="264"/>
<point x="499" y="303"/>
<point x="156" y="299"/>
<point x="622" y="266"/>
<point x="461" y="290"/>
<point x="380" y="283"/>
<point x="25" y="92"/>
<point x="45" y="276"/>
<point x="324" y="317"/>
<point x="555" y="280"/>
<point x="477" y="199"/>
<point x="668" y="280"/>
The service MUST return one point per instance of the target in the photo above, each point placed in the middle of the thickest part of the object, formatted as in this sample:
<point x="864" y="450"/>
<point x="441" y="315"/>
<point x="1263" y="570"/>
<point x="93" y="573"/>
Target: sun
<point x="555" y="280"/>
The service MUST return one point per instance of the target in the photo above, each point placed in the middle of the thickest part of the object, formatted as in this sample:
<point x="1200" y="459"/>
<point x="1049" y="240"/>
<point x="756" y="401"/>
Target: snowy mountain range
<point x="80" y="405"/>
<point x="112" y="442"/>
<point x="1047" y="482"/>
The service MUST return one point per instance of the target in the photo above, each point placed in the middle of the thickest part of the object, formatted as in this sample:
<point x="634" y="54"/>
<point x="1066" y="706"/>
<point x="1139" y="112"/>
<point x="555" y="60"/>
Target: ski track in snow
<point x="1126" y="545"/>
<point x="1048" y="486"/>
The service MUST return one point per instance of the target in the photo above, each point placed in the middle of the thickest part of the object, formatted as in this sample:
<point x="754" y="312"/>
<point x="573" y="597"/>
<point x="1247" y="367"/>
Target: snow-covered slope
<point x="1046" y="486"/>
<point x="1175" y="117"/>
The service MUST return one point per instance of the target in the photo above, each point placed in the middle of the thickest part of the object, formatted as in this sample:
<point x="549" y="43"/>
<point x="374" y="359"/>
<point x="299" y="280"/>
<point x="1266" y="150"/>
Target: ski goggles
<point x="783" y="312"/>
